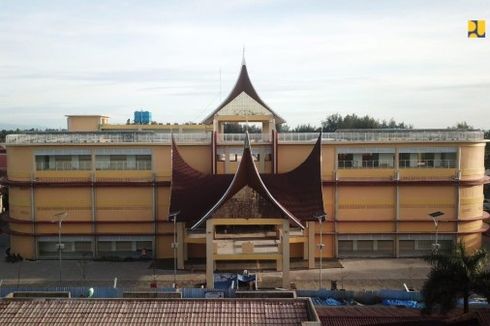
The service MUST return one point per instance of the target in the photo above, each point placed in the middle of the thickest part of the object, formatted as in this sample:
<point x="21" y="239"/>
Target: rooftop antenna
<point x="243" y="56"/>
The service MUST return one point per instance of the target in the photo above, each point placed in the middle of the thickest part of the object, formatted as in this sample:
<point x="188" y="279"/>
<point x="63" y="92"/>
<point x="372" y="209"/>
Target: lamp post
<point x="173" y="218"/>
<point x="435" y="216"/>
<point x="321" y="218"/>
<point x="59" y="217"/>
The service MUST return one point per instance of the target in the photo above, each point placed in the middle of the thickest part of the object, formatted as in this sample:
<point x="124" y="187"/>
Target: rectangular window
<point x="232" y="157"/>
<point x="104" y="246"/>
<point x="268" y="157"/>
<point x="385" y="245"/>
<point x="366" y="160"/>
<point x="220" y="157"/>
<point x="124" y="245"/>
<point x="63" y="162"/>
<point x="123" y="162"/>
<point x="407" y="245"/>
<point x="346" y="246"/>
<point x="345" y="160"/>
<point x="365" y="245"/>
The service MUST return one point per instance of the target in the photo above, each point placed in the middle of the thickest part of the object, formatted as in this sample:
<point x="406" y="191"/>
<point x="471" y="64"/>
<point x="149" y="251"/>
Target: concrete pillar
<point x="209" y="254"/>
<point x="180" y="245"/>
<point x="285" y="254"/>
<point x="311" y="245"/>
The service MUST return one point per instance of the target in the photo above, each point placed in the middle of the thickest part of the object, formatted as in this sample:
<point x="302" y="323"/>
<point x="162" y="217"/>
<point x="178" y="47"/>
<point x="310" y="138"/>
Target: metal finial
<point x="243" y="56"/>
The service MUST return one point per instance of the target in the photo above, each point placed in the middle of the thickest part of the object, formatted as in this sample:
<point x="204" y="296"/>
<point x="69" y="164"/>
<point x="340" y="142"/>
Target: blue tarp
<point x="402" y="303"/>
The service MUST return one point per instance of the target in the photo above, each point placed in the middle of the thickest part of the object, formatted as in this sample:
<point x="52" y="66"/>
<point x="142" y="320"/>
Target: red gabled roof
<point x="247" y="175"/>
<point x="243" y="84"/>
<point x="297" y="194"/>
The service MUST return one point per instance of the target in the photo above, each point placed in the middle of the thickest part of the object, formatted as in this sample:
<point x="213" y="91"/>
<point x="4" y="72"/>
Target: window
<point x="220" y="157"/>
<point x="432" y="157"/>
<point x="346" y="245"/>
<point x="345" y="160"/>
<point x="385" y="245"/>
<point x="268" y="157"/>
<point x="232" y="157"/>
<point x="407" y="245"/>
<point x="365" y="245"/>
<point x="123" y="162"/>
<point x="124" y="245"/>
<point x="104" y="246"/>
<point x="63" y="162"/>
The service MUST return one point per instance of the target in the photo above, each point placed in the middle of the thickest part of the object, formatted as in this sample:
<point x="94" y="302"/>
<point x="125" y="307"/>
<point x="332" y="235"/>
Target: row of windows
<point x="232" y="157"/>
<point x="79" y="249"/>
<point x="386" y="248"/>
<point x="387" y="160"/>
<point x="84" y="162"/>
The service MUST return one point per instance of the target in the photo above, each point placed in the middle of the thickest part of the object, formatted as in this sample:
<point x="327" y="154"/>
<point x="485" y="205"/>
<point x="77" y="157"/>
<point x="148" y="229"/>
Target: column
<point x="180" y="245"/>
<point x="311" y="245"/>
<point x="285" y="254"/>
<point x="209" y="254"/>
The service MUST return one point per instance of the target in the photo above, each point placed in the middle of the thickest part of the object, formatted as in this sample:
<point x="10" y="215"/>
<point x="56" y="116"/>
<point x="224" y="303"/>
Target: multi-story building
<point x="133" y="190"/>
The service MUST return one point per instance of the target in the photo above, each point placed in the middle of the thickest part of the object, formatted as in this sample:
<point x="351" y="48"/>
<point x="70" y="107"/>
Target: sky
<point x="408" y="60"/>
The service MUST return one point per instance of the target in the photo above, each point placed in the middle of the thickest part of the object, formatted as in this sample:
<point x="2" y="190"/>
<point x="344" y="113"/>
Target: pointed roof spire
<point x="243" y="84"/>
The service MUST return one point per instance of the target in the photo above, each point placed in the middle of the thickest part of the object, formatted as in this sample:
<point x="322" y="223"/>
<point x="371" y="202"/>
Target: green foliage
<point x="453" y="276"/>
<point x="353" y="121"/>
<point x="463" y="125"/>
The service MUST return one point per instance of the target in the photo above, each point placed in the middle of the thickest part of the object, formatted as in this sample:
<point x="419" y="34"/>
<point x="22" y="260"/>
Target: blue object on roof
<point x="142" y="117"/>
<point x="402" y="303"/>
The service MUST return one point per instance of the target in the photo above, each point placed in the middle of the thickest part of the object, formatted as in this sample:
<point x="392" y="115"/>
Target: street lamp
<point x="59" y="217"/>
<point x="435" y="216"/>
<point x="321" y="217"/>
<point x="173" y="218"/>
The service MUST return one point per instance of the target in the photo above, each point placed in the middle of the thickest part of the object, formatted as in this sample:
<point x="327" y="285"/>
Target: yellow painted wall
<point x="328" y="162"/>
<point x="365" y="227"/>
<point x="84" y="123"/>
<point x="472" y="161"/>
<point x="417" y="202"/>
<point x="20" y="162"/>
<point x="370" y="203"/>
<point x="164" y="249"/>
<point x="427" y="226"/>
<point x="116" y="203"/>
<point x="162" y="162"/>
<point x="470" y="226"/>
<point x="426" y="173"/>
<point x="163" y="203"/>
<point x="75" y="201"/>
<point x="20" y="202"/>
<point x="329" y="200"/>
<point x="471" y="199"/>
<point x="290" y="156"/>
<point x="198" y="157"/>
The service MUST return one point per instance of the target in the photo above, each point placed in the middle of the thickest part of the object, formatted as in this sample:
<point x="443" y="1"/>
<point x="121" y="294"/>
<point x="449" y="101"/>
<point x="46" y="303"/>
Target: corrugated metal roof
<point x="144" y="312"/>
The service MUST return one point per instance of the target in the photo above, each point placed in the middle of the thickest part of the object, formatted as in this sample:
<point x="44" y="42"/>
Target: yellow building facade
<point x="115" y="184"/>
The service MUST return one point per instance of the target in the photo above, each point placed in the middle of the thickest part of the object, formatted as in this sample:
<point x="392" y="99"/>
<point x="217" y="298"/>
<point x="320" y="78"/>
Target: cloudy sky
<point x="409" y="60"/>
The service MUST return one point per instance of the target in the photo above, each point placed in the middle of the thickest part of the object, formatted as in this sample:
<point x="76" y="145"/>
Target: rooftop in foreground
<point x="157" y="311"/>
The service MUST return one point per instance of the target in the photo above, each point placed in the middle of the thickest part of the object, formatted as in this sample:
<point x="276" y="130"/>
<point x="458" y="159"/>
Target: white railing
<point x="240" y="138"/>
<point x="384" y="136"/>
<point x="64" y="166"/>
<point x="205" y="138"/>
<point x="108" y="137"/>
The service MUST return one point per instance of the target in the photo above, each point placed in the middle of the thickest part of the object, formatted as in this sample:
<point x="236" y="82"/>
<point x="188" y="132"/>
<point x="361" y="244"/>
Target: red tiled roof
<point x="155" y="311"/>
<point x="356" y="316"/>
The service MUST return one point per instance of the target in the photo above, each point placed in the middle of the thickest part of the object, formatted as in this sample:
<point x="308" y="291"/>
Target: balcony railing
<point x="384" y="136"/>
<point x="205" y="138"/>
<point x="240" y="138"/>
<point x="108" y="137"/>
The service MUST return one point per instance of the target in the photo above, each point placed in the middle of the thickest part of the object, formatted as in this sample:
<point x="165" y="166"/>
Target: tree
<point x="455" y="275"/>
<point x="305" y="128"/>
<point x="353" y="121"/>
<point x="463" y="125"/>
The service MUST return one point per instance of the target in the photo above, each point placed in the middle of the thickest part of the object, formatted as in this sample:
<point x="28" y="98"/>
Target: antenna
<point x="243" y="56"/>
